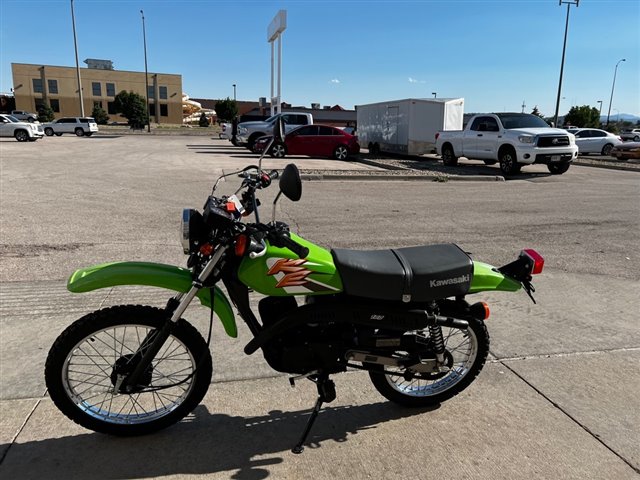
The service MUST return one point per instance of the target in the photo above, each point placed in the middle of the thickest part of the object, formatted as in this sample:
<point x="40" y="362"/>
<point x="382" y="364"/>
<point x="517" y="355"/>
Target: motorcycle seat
<point x="413" y="274"/>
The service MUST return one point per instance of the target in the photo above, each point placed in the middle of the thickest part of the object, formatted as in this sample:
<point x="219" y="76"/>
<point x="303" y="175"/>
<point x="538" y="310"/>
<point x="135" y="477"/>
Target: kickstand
<point x="326" y="393"/>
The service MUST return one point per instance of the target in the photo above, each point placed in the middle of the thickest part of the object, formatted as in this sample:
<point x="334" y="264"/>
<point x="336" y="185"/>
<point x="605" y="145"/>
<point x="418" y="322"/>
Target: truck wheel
<point x="508" y="162"/>
<point x="21" y="135"/>
<point x="606" y="150"/>
<point x="448" y="158"/>
<point x="558" y="168"/>
<point x="79" y="132"/>
<point x="48" y="132"/>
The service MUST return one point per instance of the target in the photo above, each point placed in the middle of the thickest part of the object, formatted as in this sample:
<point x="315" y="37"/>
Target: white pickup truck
<point x="513" y="139"/>
<point x="249" y="132"/>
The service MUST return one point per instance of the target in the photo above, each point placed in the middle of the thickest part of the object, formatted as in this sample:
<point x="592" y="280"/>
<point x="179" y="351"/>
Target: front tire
<point x="508" y="162"/>
<point x="80" y="371"/>
<point x="467" y="352"/>
<point x="79" y="132"/>
<point x="48" y="132"/>
<point x="278" y="150"/>
<point x="21" y="135"/>
<point x="448" y="157"/>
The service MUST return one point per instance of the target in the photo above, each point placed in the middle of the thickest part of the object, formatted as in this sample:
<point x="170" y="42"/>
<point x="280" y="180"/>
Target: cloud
<point x="334" y="80"/>
<point x="415" y="80"/>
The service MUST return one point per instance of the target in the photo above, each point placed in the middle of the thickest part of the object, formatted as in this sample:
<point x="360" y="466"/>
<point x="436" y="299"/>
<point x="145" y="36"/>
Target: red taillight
<point x="437" y="135"/>
<point x="538" y="261"/>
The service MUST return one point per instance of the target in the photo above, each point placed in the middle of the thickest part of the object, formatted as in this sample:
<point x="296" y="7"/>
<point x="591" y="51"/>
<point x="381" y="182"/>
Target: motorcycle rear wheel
<point x="466" y="351"/>
<point x="80" y="371"/>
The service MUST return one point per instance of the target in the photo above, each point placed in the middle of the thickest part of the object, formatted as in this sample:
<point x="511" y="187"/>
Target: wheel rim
<point x="607" y="149"/>
<point x="21" y="136"/>
<point x="462" y="345"/>
<point x="49" y="132"/>
<point x="446" y="155"/>
<point x="507" y="162"/>
<point x="79" y="133"/>
<point x="278" y="151"/>
<point x="87" y="372"/>
<point x="341" y="153"/>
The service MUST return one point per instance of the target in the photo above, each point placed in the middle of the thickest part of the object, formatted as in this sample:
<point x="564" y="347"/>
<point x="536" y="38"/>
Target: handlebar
<point x="300" y="250"/>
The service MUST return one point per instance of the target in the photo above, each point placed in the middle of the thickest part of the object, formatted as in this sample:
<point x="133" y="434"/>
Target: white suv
<point x="81" y="126"/>
<point x="10" y="126"/>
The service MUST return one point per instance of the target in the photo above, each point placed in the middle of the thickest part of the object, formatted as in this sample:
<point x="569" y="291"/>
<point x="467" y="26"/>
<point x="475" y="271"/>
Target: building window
<point x="111" y="108"/>
<point x="152" y="109"/>
<point x="163" y="93"/>
<point x="96" y="88"/>
<point x="37" y="85"/>
<point x="53" y="86"/>
<point x="39" y="105"/>
<point x="111" y="89"/>
<point x="164" y="110"/>
<point x="150" y="93"/>
<point x="55" y="105"/>
<point x="97" y="104"/>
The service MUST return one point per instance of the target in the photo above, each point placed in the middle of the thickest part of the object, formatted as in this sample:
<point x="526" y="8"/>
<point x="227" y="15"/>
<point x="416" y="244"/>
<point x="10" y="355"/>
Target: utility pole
<point x="614" y="86"/>
<point x="75" y="44"/>
<point x="564" y="47"/>
<point x="523" y="106"/>
<point x="146" y="73"/>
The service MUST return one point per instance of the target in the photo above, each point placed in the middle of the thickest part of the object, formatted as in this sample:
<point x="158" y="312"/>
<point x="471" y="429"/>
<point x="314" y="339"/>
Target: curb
<point x="403" y="178"/>
<point x="608" y="167"/>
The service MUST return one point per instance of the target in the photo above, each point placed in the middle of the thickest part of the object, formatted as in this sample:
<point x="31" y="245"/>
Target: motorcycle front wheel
<point x="86" y="360"/>
<point x="465" y="354"/>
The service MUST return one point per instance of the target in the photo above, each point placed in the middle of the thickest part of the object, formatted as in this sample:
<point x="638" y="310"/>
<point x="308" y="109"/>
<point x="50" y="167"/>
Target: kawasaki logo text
<point x="449" y="281"/>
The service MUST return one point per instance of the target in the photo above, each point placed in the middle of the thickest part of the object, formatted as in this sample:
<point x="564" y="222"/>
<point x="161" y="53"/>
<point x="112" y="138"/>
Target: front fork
<point x="155" y="339"/>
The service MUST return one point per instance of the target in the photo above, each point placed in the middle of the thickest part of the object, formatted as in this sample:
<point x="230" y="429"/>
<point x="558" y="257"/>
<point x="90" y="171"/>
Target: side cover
<point x="155" y="275"/>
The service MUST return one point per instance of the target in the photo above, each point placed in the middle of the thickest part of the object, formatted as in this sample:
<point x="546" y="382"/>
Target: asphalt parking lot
<point x="559" y="399"/>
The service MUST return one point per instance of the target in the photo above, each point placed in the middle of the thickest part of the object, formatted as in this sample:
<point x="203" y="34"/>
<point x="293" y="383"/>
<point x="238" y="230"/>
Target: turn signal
<point x="538" y="261"/>
<point x="206" y="249"/>
<point x="241" y="245"/>
<point x="480" y="310"/>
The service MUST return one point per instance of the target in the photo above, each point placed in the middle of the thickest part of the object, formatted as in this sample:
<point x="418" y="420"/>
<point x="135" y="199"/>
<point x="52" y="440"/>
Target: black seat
<point x="414" y="274"/>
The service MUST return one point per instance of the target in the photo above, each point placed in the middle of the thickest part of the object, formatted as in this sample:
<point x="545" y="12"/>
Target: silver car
<point x="594" y="140"/>
<point x="81" y="126"/>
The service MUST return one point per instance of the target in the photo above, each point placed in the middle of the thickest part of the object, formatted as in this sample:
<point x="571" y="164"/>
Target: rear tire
<point x="419" y="392"/>
<point x="606" y="150"/>
<point x="448" y="157"/>
<point x="341" y="152"/>
<point x="278" y="150"/>
<point x="80" y="371"/>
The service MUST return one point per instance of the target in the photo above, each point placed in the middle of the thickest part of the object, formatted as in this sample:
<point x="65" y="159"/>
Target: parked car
<point x="26" y="116"/>
<point x="593" y="140"/>
<point x="81" y="126"/>
<point x="631" y="135"/>
<point x="225" y="130"/>
<point x="10" y="126"/>
<point x="626" y="151"/>
<point x="314" y="141"/>
<point x="249" y="132"/>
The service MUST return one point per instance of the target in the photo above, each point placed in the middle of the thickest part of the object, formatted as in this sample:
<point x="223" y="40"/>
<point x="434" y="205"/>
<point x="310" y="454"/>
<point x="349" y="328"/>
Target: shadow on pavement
<point x="204" y="443"/>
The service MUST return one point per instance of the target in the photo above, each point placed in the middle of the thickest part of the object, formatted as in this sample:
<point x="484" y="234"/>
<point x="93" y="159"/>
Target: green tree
<point x="204" y="121"/>
<point x="45" y="113"/>
<point x="583" y="117"/>
<point x="227" y="109"/>
<point x="536" y="112"/>
<point x="133" y="107"/>
<point x="99" y="115"/>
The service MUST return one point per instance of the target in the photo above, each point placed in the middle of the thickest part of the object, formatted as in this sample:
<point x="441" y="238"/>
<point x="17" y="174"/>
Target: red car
<point x="314" y="141"/>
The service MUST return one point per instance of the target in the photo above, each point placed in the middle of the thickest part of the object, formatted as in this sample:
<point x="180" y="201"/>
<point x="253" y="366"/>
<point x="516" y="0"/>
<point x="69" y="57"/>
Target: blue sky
<point x="495" y="54"/>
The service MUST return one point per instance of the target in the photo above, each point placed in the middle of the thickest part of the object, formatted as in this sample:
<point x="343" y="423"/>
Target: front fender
<point x="155" y="275"/>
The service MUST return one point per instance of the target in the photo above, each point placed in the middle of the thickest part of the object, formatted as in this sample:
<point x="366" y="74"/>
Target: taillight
<point x="437" y="135"/>
<point x="538" y="261"/>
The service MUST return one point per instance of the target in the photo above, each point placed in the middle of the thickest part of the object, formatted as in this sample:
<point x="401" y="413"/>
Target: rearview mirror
<point x="290" y="183"/>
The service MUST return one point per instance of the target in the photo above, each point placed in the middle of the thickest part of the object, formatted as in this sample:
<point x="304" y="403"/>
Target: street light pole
<point x="599" y="110"/>
<point x="234" y="92"/>
<point x="146" y="73"/>
<point x="434" y="94"/>
<point x="615" y="72"/>
<point x="75" y="44"/>
<point x="564" y="47"/>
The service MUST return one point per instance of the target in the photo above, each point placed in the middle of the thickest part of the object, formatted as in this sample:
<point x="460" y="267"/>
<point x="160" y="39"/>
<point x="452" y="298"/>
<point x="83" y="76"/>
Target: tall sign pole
<point x="564" y="47"/>
<point x="75" y="44"/>
<point x="274" y="32"/>
<point x="146" y="73"/>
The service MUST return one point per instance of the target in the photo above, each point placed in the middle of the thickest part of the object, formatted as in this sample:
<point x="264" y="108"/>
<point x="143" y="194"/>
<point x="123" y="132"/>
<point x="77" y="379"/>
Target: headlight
<point x="242" y="130"/>
<point x="527" y="138"/>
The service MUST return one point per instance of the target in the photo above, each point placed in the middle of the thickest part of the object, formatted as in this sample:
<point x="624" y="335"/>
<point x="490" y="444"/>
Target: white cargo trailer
<point x="407" y="126"/>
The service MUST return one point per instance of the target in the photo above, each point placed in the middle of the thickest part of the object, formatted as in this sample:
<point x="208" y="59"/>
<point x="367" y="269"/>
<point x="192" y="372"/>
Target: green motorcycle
<point x="400" y="314"/>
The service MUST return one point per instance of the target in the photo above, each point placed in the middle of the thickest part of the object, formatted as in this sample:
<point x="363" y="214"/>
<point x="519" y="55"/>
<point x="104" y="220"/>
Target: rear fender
<point x="486" y="278"/>
<point x="155" y="275"/>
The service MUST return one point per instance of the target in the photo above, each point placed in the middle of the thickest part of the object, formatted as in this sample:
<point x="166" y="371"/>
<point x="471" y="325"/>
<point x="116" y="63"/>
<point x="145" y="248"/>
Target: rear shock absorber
<point x="435" y="331"/>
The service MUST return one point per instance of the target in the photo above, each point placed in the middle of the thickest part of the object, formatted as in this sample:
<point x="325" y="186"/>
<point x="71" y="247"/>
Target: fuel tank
<point x="280" y="272"/>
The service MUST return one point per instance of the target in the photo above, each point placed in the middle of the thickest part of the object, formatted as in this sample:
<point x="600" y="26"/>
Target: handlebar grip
<point x="300" y="250"/>
<point x="273" y="174"/>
